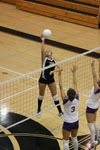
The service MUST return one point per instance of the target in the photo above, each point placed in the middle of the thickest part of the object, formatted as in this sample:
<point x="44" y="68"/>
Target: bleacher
<point x="83" y="12"/>
<point x="10" y="1"/>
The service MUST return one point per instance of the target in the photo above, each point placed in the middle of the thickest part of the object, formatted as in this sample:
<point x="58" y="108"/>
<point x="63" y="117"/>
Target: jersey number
<point x="73" y="109"/>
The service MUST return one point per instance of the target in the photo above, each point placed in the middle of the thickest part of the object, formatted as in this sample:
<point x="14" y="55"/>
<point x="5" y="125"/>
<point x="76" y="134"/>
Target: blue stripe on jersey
<point x="98" y="91"/>
<point x="65" y="101"/>
<point x="77" y="97"/>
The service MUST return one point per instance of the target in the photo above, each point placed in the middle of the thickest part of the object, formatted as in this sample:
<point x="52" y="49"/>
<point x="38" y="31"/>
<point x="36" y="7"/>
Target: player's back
<point x="93" y="100"/>
<point x="71" y="110"/>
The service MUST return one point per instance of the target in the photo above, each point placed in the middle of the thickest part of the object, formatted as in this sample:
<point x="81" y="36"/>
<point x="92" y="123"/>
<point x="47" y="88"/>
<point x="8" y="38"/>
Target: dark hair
<point x="71" y="94"/>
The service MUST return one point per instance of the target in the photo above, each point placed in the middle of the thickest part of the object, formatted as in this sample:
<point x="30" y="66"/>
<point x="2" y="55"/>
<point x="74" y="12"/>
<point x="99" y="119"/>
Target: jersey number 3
<point x="73" y="109"/>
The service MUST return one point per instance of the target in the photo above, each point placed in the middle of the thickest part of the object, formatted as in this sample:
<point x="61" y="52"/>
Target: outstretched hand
<point x="74" y="68"/>
<point x="58" y="70"/>
<point x="92" y="63"/>
<point x="51" y="72"/>
<point x="42" y="37"/>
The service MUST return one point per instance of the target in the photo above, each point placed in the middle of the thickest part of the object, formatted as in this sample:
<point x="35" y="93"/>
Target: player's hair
<point x="71" y="94"/>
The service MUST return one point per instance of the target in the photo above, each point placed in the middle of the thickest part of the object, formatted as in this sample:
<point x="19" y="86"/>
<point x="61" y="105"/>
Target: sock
<point x="66" y="144"/>
<point x="96" y="129"/>
<point x="40" y="99"/>
<point x="92" y="131"/>
<point x="56" y="101"/>
<point x="58" y="107"/>
<point x="75" y="143"/>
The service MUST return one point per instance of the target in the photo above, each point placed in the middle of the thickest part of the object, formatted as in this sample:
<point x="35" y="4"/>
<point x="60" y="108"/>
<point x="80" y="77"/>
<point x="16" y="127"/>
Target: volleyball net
<point x="20" y="95"/>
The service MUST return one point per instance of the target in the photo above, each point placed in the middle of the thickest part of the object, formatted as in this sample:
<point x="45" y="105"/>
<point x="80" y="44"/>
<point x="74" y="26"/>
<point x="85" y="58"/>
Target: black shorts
<point x="46" y="81"/>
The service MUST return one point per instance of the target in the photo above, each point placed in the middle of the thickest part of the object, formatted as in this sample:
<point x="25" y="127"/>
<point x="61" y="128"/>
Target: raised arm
<point x="94" y="76"/>
<point x="56" y="70"/>
<point x="60" y="85"/>
<point x="73" y="69"/>
<point x="42" y="49"/>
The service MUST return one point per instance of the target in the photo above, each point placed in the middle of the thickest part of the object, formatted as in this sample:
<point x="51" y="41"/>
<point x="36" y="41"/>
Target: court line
<point x="9" y="70"/>
<point x="12" y="139"/>
<point x="30" y="135"/>
<point x="46" y="136"/>
<point x="81" y="141"/>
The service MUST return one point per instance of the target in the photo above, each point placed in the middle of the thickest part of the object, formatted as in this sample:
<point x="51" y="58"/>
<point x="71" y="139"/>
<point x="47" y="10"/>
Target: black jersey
<point x="46" y="73"/>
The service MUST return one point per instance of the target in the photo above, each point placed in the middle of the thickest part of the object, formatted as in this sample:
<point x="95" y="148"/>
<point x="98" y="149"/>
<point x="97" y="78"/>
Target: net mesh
<point x="20" y="95"/>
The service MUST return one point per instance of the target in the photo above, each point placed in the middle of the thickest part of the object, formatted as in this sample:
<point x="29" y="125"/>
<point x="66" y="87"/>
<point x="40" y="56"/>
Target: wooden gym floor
<point x="16" y="51"/>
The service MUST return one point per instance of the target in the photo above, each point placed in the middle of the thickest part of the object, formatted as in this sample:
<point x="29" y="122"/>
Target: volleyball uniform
<point x="71" y="113"/>
<point x="93" y="101"/>
<point x="45" y="77"/>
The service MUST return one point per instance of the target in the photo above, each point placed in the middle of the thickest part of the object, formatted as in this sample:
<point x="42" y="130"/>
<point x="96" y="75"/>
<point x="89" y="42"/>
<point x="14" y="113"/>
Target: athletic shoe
<point x="98" y="139"/>
<point x="39" y="114"/>
<point x="93" y="145"/>
<point x="61" y="115"/>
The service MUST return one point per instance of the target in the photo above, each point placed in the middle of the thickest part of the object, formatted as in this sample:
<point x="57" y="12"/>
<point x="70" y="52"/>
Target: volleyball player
<point x="70" y="102"/>
<point x="47" y="78"/>
<point x="92" y="107"/>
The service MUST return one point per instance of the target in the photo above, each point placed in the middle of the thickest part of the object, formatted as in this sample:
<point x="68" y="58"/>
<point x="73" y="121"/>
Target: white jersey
<point x="93" y="100"/>
<point x="71" y="110"/>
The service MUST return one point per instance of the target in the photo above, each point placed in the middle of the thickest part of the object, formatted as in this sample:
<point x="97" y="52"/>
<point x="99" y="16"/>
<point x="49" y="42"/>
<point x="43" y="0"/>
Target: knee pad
<point x="55" y="98"/>
<point x="40" y="98"/>
<point x="66" y="144"/>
